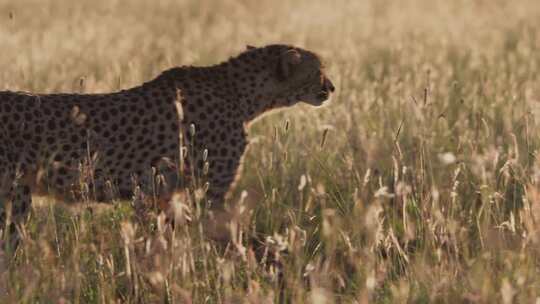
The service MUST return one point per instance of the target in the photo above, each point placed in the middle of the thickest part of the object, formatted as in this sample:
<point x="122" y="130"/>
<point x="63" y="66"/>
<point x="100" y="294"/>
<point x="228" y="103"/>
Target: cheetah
<point x="108" y="145"/>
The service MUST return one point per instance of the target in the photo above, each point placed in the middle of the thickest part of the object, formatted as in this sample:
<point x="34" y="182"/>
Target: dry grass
<point x="425" y="189"/>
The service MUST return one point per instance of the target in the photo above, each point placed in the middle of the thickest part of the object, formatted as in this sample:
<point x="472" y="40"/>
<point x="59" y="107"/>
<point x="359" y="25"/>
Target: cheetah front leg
<point x="222" y="176"/>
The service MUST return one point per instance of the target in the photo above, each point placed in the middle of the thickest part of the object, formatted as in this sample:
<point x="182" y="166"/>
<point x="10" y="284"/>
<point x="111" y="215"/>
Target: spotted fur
<point x="107" y="145"/>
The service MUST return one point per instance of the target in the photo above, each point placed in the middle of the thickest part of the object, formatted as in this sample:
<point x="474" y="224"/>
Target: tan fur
<point x="103" y="146"/>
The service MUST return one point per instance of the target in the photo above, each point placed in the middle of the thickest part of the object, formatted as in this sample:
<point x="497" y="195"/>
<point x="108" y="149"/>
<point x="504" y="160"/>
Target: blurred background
<point x="58" y="41"/>
<point x="419" y="182"/>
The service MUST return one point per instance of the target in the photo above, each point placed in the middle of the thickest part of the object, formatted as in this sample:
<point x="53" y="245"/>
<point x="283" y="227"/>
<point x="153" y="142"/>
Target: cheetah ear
<point x="286" y="61"/>
<point x="250" y="47"/>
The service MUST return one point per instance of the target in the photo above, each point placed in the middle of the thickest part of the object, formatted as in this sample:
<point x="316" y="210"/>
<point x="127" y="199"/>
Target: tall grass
<point x="425" y="188"/>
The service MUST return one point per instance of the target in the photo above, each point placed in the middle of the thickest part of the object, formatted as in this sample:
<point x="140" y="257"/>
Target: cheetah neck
<point x="235" y="81"/>
<point x="253" y="99"/>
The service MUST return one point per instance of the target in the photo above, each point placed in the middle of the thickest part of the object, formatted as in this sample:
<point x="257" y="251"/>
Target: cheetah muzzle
<point x="104" y="146"/>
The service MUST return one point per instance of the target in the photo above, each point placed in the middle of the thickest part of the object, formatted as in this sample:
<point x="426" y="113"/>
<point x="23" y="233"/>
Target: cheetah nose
<point x="329" y="85"/>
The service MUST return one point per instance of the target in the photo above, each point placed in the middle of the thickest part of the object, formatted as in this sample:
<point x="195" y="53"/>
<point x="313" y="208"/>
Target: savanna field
<point x="418" y="183"/>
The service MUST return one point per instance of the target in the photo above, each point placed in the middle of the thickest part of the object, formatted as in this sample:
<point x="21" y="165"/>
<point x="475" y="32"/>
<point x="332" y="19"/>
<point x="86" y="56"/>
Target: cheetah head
<point x="300" y="73"/>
